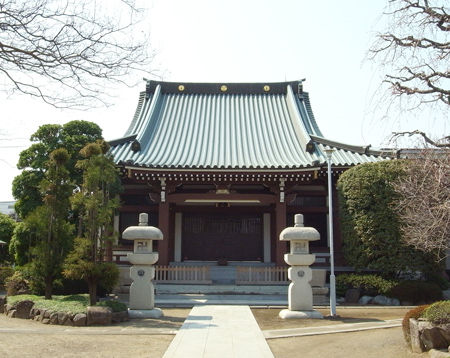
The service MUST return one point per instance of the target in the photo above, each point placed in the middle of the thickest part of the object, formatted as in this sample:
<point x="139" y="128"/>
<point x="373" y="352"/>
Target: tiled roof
<point x="228" y="126"/>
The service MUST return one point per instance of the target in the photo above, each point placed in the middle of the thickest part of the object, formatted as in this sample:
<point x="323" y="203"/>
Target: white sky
<point x="246" y="41"/>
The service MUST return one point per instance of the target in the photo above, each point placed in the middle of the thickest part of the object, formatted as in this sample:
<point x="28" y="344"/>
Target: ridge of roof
<point x="122" y="140"/>
<point x="222" y="87"/>
<point x="352" y="148"/>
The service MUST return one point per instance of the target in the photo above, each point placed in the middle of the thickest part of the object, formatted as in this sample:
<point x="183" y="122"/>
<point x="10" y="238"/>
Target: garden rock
<point x="12" y="313"/>
<point x="62" y="317"/>
<point x="352" y="295"/>
<point x="426" y="335"/>
<point x="433" y="338"/>
<point x="99" y="315"/>
<point x="7" y="308"/>
<point x="34" y="312"/>
<point x="41" y="315"/>
<point x="23" y="309"/>
<point x="414" y="331"/>
<point x="394" y="302"/>
<point x="364" y="300"/>
<point x="380" y="300"/>
<point x="45" y="320"/>
<point x="120" y="316"/>
<point x="434" y="353"/>
<point x="54" y="318"/>
<point x="79" y="320"/>
<point x="385" y="301"/>
<point x="446" y="294"/>
<point x="68" y="322"/>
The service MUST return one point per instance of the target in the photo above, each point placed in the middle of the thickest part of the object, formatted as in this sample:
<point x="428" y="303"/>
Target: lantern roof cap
<point x="299" y="231"/>
<point x="143" y="231"/>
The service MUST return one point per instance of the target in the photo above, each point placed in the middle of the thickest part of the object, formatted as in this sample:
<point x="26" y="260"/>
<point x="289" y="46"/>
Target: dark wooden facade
<point x="234" y="216"/>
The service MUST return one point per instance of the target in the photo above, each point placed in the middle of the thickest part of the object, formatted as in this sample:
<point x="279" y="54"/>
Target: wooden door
<point x="209" y="237"/>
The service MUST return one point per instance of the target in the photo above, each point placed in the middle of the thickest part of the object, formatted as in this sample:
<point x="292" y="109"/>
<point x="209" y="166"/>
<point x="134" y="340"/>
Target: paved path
<point x="191" y="300"/>
<point x="215" y="331"/>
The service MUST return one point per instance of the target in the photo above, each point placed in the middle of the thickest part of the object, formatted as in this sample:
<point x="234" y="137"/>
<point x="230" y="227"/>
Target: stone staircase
<point x="223" y="287"/>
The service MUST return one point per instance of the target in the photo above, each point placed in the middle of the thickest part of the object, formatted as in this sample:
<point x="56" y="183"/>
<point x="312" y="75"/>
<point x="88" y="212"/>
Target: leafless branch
<point x="63" y="51"/>
<point x="415" y="51"/>
<point x="441" y="143"/>
<point x="424" y="207"/>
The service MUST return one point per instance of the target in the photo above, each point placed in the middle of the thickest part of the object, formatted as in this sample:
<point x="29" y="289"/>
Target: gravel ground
<point x="376" y="343"/>
<point x="137" y="338"/>
<point x="150" y="338"/>
<point x="268" y="318"/>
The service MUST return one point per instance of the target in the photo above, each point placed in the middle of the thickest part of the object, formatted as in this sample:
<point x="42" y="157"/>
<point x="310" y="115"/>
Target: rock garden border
<point x="95" y="315"/>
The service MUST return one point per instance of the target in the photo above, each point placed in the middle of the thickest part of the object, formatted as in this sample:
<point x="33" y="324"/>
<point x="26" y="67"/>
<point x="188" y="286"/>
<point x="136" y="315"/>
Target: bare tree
<point x="414" y="51"/>
<point x="424" y="207"/>
<point x="443" y="142"/>
<point x="63" y="51"/>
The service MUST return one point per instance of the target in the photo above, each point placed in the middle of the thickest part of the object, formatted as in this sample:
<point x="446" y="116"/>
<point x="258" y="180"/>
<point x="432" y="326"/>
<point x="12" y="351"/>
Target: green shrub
<point x="369" y="284"/>
<point x="72" y="303"/>
<point x="439" y="279"/>
<point x="414" y="313"/>
<point x="416" y="292"/>
<point x="17" y="284"/>
<point x="369" y="225"/>
<point x="5" y="272"/>
<point x="116" y="306"/>
<point x="438" y="312"/>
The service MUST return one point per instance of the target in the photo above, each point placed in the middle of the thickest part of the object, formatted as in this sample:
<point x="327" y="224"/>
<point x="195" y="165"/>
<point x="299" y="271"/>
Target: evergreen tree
<point x="96" y="201"/>
<point x="50" y="221"/>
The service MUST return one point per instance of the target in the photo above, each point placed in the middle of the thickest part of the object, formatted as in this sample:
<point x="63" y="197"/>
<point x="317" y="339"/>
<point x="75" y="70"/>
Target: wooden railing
<point x="182" y="274"/>
<point x="273" y="275"/>
<point x="268" y="275"/>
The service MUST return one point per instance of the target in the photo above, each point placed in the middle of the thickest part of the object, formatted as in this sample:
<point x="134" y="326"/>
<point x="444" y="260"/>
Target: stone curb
<point x="83" y="331"/>
<point x="338" y="328"/>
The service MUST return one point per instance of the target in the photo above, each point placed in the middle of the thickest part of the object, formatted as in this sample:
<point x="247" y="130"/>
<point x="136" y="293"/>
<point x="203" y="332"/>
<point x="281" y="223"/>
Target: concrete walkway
<point x="191" y="300"/>
<point x="219" y="331"/>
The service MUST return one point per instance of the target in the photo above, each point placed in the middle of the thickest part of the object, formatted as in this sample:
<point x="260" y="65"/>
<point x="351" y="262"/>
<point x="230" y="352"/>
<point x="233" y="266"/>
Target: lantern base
<point x="154" y="313"/>
<point x="287" y="314"/>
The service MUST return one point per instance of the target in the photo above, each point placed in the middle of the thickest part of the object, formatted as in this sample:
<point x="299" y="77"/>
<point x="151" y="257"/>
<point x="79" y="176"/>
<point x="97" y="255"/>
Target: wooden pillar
<point x="163" y="225"/>
<point x="280" y="225"/>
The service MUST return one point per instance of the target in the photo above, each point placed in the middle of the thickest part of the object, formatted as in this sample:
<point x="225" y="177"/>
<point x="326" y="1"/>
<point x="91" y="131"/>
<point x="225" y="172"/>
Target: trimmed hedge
<point x="369" y="284"/>
<point x="370" y="227"/>
<point x="415" y="313"/>
<point x="5" y="272"/>
<point x="116" y="306"/>
<point x="416" y="292"/>
<point x="17" y="284"/>
<point x="438" y="312"/>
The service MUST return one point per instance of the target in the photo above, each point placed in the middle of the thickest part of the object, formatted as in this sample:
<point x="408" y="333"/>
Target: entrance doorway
<point x="210" y="237"/>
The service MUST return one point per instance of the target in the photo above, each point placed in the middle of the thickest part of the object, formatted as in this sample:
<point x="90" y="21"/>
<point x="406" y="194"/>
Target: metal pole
<point x="330" y="225"/>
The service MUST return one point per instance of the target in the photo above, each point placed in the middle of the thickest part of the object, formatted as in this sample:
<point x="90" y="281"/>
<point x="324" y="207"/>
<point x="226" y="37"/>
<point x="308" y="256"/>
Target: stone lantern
<point x="142" y="291"/>
<point x="300" y="297"/>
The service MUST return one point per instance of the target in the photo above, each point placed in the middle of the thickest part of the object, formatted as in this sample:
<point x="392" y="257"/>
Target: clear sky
<point x="324" y="41"/>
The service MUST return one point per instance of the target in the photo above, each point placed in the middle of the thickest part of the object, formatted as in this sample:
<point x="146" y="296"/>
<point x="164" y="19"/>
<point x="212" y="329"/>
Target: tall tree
<point x="7" y="226"/>
<point x="424" y="202"/>
<point x="63" y="51"/>
<point x="51" y="223"/>
<point x="414" y="51"/>
<point x="72" y="136"/>
<point x="370" y="227"/>
<point x="97" y="201"/>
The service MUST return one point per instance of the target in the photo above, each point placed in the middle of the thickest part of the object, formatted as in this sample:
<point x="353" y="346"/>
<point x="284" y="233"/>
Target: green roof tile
<point x="228" y="126"/>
